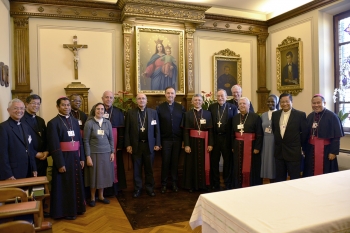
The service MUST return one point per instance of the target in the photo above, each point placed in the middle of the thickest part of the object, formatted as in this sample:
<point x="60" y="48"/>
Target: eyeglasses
<point x="18" y="109"/>
<point x="35" y="104"/>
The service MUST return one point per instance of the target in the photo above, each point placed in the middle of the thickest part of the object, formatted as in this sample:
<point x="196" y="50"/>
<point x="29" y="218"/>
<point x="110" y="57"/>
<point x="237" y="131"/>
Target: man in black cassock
<point x="170" y="116"/>
<point x="67" y="151"/>
<point x="325" y="131"/>
<point x="116" y="117"/>
<point x="222" y="113"/>
<point x="75" y="101"/>
<point x="236" y="91"/>
<point x="246" y="146"/>
<point x="37" y="129"/>
<point x="226" y="80"/>
<point x="198" y="140"/>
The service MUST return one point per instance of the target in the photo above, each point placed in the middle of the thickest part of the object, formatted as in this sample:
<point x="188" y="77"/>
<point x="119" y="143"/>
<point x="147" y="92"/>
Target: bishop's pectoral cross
<point x="75" y="47"/>
<point x="142" y="129"/>
<point x="219" y="124"/>
<point x="241" y="131"/>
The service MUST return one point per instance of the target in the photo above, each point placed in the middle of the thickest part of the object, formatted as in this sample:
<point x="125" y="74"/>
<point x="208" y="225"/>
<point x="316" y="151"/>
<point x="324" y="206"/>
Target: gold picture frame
<point x="289" y="59"/>
<point x="227" y="71"/>
<point x="159" y="60"/>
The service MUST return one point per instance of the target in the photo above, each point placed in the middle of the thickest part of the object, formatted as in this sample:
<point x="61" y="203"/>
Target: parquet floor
<point x="111" y="219"/>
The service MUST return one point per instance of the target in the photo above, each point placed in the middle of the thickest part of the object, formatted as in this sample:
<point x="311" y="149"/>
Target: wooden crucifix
<point x="75" y="47"/>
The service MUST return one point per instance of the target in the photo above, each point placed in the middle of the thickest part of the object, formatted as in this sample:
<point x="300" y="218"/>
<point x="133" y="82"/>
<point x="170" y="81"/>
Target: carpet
<point x="168" y="208"/>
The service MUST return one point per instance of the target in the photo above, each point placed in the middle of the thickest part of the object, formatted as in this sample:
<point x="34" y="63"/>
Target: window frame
<point x="336" y="19"/>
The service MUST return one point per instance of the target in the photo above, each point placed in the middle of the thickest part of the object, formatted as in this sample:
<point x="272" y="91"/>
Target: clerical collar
<point x="66" y="116"/>
<point x="141" y="109"/>
<point x="17" y="122"/>
<point x="75" y="110"/>
<point x="288" y="112"/>
<point x="32" y="115"/>
<point x="321" y="111"/>
<point x="170" y="103"/>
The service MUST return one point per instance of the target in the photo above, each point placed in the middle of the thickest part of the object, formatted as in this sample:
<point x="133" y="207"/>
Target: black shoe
<point x="163" y="189"/>
<point x="104" y="201"/>
<point x="70" y="217"/>
<point x="92" y="203"/>
<point x="137" y="193"/>
<point x="175" y="188"/>
<point x="151" y="194"/>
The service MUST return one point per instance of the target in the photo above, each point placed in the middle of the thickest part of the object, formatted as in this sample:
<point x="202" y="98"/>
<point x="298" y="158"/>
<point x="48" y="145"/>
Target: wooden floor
<point x="110" y="218"/>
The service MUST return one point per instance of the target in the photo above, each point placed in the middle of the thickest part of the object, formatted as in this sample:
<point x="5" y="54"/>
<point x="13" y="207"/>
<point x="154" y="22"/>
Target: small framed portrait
<point x="160" y="60"/>
<point x="227" y="70"/>
<point x="2" y="81"/>
<point x="289" y="66"/>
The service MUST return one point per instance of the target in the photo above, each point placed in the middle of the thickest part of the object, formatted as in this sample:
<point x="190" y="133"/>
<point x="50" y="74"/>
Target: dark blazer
<point x="232" y="101"/>
<point x="13" y="153"/>
<point x="289" y="147"/>
<point x="132" y="129"/>
<point x="170" y="122"/>
<point x="38" y="135"/>
<point x="230" y="112"/>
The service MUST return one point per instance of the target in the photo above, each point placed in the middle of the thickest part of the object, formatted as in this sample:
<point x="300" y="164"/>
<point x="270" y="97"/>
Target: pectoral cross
<point x="72" y="142"/>
<point x="199" y="132"/>
<point x="142" y="129"/>
<point x="241" y="131"/>
<point x="219" y="124"/>
<point x="75" y="47"/>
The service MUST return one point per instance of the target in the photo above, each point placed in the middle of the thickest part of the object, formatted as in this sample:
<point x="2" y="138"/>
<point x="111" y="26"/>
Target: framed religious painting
<point x="227" y="69"/>
<point x="159" y="60"/>
<point x="290" y="66"/>
<point x="2" y="81"/>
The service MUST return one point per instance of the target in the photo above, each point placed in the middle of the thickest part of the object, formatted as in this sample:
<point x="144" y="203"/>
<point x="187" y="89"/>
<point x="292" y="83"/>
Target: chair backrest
<point x="17" y="226"/>
<point x="10" y="193"/>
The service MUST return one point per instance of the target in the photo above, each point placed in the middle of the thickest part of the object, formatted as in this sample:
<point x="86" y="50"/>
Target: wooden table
<point x="314" y="204"/>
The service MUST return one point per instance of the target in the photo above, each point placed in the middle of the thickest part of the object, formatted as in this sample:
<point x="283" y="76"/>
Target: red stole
<point x="70" y="146"/>
<point x="319" y="144"/>
<point x="203" y="135"/>
<point x="247" y="155"/>
<point x="115" y="137"/>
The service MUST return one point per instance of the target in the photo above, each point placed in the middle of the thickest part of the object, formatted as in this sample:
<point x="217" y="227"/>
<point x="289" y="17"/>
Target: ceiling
<point x="252" y="9"/>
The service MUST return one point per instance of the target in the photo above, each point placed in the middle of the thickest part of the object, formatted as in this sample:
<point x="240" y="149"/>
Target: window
<point x="342" y="63"/>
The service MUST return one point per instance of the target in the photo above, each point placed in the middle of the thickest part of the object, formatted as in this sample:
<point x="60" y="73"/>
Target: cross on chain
<point x="75" y="47"/>
<point x="219" y="124"/>
<point x="142" y="129"/>
<point x="241" y="131"/>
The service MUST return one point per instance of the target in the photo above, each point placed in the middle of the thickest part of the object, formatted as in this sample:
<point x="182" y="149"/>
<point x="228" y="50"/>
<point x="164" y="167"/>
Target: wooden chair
<point x="17" y="226"/>
<point x="22" y="208"/>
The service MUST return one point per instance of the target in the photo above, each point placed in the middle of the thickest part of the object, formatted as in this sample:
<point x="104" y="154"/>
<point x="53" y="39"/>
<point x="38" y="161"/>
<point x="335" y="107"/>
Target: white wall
<point x="52" y="66"/>
<point x="5" y="57"/>
<point x="208" y="43"/>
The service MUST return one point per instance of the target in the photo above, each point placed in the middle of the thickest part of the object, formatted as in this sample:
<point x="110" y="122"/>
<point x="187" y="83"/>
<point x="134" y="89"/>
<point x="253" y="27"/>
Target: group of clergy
<point x="273" y="146"/>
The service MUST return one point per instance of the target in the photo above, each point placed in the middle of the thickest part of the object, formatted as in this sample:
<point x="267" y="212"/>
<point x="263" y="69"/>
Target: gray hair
<point x="197" y="95"/>
<point x="15" y="100"/>
<point x="246" y="99"/>
<point x="222" y="90"/>
<point x="237" y="87"/>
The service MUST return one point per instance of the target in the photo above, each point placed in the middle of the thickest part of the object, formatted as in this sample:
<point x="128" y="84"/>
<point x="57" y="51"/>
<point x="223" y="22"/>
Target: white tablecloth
<point x="315" y="204"/>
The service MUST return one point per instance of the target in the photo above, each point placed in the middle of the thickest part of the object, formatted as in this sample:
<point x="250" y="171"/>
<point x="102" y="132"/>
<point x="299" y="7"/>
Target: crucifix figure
<point x="75" y="47"/>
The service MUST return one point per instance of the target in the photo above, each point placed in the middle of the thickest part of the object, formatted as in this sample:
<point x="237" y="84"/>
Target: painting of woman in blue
<point x="155" y="69"/>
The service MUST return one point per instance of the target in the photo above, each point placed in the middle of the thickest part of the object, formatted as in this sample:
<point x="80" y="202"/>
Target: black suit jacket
<point x="295" y="136"/>
<point x="132" y="129"/>
<point x="230" y="112"/>
<point x="38" y="135"/>
<point x="13" y="151"/>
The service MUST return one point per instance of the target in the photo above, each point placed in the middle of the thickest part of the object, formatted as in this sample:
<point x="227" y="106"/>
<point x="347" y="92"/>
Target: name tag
<point x="153" y="122"/>
<point x="80" y="123"/>
<point x="106" y="115"/>
<point x="29" y="139"/>
<point x="240" y="126"/>
<point x="314" y="125"/>
<point x="71" y="133"/>
<point x="268" y="130"/>
<point x="203" y="121"/>
<point x="100" y="132"/>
